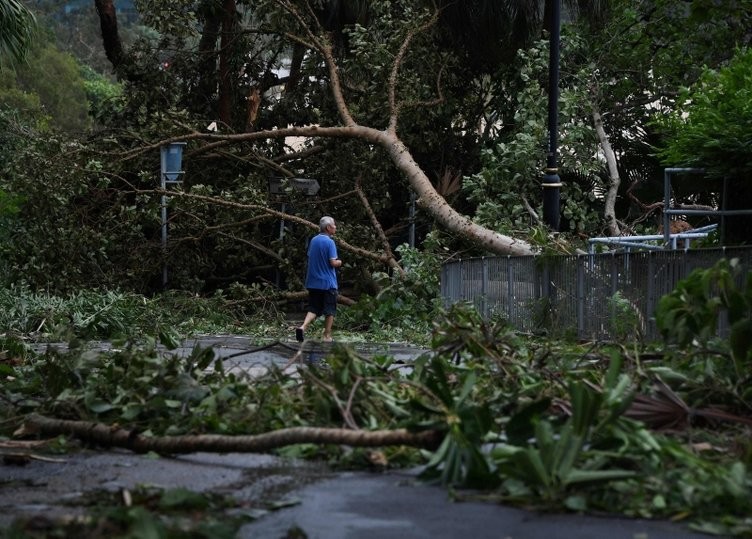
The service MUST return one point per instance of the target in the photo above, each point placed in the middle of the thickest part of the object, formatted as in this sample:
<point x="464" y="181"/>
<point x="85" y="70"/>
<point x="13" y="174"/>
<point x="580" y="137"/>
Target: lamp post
<point x="171" y="157"/>
<point x="551" y="180"/>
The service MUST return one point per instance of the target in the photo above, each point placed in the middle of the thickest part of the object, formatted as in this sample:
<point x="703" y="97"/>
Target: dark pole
<point x="551" y="181"/>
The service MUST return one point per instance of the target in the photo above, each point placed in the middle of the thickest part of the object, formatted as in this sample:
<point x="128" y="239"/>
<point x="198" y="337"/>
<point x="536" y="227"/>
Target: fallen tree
<point x="309" y="34"/>
<point x="111" y="436"/>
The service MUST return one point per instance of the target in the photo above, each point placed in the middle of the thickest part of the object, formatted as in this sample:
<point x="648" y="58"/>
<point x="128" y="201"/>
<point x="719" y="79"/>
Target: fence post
<point x="510" y="288"/>
<point x="444" y="284"/>
<point x="651" y="303"/>
<point x="580" y="293"/>
<point x="484" y="287"/>
<point x="460" y="272"/>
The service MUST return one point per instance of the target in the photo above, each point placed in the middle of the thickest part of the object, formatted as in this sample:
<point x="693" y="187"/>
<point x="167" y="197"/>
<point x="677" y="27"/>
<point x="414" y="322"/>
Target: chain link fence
<point x="598" y="296"/>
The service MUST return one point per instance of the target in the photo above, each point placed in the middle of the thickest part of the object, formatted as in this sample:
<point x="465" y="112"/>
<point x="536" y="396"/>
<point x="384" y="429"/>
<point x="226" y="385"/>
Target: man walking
<point x="321" y="279"/>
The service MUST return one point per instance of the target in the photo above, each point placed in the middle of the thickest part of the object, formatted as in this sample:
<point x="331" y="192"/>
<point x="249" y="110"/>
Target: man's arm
<point x="335" y="262"/>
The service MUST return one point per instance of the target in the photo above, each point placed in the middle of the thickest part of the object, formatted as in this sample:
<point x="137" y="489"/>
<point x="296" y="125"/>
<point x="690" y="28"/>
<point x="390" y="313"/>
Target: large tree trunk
<point x="109" y="436"/>
<point x="437" y="206"/>
<point x="298" y="54"/>
<point x="207" y="62"/>
<point x="225" y="76"/>
<point x="113" y="47"/>
<point x="613" y="175"/>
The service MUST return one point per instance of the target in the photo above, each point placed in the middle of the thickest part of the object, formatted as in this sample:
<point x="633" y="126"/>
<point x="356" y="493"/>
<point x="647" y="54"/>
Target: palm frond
<point x="17" y="26"/>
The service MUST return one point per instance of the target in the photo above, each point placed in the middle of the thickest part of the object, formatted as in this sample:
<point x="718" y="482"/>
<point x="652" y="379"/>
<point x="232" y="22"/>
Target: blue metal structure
<point x="171" y="162"/>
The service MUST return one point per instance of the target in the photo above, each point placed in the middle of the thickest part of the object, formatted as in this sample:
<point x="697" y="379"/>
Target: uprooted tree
<point x="298" y="31"/>
<point x="308" y="32"/>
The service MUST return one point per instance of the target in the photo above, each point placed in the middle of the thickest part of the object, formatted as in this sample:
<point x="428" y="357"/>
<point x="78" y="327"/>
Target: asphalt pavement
<point x="396" y="505"/>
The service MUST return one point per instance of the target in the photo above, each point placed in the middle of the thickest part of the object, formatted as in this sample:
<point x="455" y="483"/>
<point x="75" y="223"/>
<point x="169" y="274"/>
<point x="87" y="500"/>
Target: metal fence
<point x="599" y="296"/>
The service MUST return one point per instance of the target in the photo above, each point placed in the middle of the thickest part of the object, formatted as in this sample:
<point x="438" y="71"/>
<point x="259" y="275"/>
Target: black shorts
<point x="322" y="301"/>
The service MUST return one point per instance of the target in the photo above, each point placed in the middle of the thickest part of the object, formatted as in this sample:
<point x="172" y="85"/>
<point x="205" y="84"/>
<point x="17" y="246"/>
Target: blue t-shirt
<point x="321" y="274"/>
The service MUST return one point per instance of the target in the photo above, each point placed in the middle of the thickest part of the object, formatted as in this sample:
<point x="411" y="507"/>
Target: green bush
<point x="689" y="315"/>
<point x="407" y="303"/>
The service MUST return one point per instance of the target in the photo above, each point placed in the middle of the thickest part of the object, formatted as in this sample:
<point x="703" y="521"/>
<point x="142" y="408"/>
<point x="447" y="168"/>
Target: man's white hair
<point x="325" y="222"/>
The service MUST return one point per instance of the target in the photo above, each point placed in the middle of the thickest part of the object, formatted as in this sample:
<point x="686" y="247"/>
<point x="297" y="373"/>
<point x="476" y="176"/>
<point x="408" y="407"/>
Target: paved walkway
<point x="395" y="505"/>
<point x="318" y="502"/>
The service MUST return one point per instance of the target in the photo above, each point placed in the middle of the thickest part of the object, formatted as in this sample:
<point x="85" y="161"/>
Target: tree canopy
<point x="377" y="101"/>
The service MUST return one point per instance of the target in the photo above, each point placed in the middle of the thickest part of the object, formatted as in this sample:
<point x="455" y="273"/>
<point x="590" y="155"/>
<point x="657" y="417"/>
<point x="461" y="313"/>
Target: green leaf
<point x="590" y="476"/>
<point x="740" y="339"/>
<point x="182" y="498"/>
<point x="520" y="427"/>
<point x="576" y="503"/>
<point x="99" y="407"/>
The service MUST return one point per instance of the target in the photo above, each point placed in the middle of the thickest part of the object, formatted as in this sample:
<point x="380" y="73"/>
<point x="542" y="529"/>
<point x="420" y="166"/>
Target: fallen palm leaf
<point x="664" y="409"/>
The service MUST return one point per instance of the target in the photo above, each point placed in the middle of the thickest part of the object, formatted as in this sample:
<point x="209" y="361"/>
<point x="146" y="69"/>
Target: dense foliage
<point x="476" y="127"/>
<point x="710" y="127"/>
<point x="711" y="124"/>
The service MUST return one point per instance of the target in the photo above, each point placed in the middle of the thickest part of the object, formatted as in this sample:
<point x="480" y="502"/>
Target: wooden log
<point x="113" y="436"/>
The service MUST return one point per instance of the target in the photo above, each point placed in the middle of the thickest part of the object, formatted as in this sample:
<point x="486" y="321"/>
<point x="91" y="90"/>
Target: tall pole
<point x="551" y="180"/>
<point x="170" y="157"/>
<point x="163" y="185"/>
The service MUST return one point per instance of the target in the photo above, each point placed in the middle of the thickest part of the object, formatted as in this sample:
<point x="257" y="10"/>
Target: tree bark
<point x="298" y="54"/>
<point x="613" y="175"/>
<point x="225" y="78"/>
<point x="110" y="436"/>
<point x="113" y="46"/>
<point x="437" y="206"/>
<point x="207" y="61"/>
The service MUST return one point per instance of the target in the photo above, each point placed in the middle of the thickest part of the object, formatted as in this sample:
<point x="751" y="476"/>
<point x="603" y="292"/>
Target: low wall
<point x="600" y="296"/>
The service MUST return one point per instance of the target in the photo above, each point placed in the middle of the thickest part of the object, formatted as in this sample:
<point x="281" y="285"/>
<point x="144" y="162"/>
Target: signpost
<point x="281" y="187"/>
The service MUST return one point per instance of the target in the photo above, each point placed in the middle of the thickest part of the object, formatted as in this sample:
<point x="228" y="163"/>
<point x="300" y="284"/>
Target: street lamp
<point x="551" y="180"/>
<point x="171" y="157"/>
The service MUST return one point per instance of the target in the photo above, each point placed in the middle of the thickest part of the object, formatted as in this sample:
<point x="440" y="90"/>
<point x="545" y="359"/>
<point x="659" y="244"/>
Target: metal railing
<point x="593" y="296"/>
<point x="658" y="242"/>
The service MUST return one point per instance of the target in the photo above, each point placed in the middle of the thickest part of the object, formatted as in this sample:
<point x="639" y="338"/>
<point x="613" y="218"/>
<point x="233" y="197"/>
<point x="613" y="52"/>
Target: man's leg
<point x="328" y="323"/>
<point x="309" y="318"/>
<point x="300" y="332"/>
<point x="329" y="310"/>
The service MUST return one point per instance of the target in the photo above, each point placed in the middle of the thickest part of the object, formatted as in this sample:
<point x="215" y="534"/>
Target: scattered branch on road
<point x="111" y="436"/>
